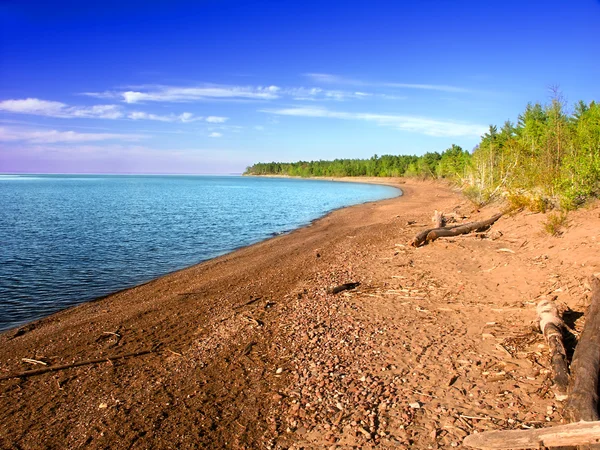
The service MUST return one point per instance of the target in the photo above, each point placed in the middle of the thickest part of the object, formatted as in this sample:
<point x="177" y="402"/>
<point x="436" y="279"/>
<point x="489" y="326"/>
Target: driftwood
<point x="432" y="234"/>
<point x="582" y="407"/>
<point x="30" y="373"/>
<point x="551" y="326"/>
<point x="438" y="219"/>
<point x="580" y="433"/>
<point x="343" y="287"/>
<point x="583" y="397"/>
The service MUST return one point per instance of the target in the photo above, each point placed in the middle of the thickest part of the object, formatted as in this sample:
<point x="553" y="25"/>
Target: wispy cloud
<point x="328" y="78"/>
<point x="215" y="134"/>
<point x="339" y="80"/>
<point x="208" y="92"/>
<point x="35" y="106"/>
<point x="316" y="94"/>
<point x="416" y="124"/>
<point x="185" y="117"/>
<point x="162" y="93"/>
<point x="34" y="136"/>
<point x="38" y="107"/>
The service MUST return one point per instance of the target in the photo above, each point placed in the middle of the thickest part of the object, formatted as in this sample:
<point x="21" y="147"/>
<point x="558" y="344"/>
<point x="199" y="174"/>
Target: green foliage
<point x="517" y="201"/>
<point x="549" y="158"/>
<point x="555" y="222"/>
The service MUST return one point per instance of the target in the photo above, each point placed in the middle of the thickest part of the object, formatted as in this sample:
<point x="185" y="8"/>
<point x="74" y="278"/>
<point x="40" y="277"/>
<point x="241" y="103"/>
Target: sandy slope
<point x="250" y="351"/>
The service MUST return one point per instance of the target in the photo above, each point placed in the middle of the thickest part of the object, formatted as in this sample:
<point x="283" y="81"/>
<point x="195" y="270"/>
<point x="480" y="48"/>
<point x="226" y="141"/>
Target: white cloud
<point x="185" y="117"/>
<point x="54" y="136"/>
<point x="416" y="124"/>
<point x="35" y="106"/>
<point x="336" y="79"/>
<point x="188" y="94"/>
<point x="217" y="119"/>
<point x="214" y="134"/>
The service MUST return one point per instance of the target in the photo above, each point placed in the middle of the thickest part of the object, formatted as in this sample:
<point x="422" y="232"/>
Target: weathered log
<point x="462" y="229"/>
<point x="551" y="326"/>
<point x="419" y="239"/>
<point x="343" y="287"/>
<point x="30" y="373"/>
<point x="583" y="396"/>
<point x="432" y="234"/>
<point x="580" y="433"/>
<point x="438" y="219"/>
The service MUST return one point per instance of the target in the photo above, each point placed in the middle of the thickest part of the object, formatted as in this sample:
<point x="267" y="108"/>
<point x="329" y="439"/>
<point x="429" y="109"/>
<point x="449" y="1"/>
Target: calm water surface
<point x="66" y="239"/>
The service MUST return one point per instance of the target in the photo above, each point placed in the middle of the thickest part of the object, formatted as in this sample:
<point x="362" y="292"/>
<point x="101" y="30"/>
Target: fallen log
<point x="419" y="239"/>
<point x="580" y="433"/>
<point x="30" y="373"/>
<point x="432" y="234"/>
<point x="583" y="396"/>
<point x="551" y="326"/>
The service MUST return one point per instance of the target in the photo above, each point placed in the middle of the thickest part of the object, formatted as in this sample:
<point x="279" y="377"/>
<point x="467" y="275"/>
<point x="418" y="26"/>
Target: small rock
<point x="415" y="405"/>
<point x="279" y="370"/>
<point x="102" y="406"/>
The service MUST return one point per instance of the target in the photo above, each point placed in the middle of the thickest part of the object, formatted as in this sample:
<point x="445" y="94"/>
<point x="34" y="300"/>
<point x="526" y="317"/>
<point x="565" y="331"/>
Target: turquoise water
<point x="67" y="239"/>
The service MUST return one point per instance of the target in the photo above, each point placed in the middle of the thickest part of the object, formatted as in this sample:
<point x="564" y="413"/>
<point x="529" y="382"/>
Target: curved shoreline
<point x="172" y="311"/>
<point x="178" y="267"/>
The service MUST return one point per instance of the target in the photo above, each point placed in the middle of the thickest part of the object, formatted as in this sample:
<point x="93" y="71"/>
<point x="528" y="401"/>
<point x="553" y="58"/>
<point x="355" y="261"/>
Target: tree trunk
<point x="583" y="398"/>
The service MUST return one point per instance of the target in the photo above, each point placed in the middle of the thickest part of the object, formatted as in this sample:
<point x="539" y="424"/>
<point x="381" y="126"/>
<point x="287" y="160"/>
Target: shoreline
<point x="252" y="350"/>
<point x="367" y="180"/>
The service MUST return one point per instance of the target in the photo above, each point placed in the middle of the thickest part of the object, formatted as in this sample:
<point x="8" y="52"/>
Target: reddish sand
<point x="251" y="351"/>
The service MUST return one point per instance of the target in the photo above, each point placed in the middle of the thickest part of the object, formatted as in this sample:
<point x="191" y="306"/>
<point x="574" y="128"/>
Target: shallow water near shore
<point x="67" y="239"/>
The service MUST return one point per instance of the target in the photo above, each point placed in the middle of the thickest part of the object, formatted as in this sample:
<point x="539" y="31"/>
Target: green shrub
<point x="555" y="222"/>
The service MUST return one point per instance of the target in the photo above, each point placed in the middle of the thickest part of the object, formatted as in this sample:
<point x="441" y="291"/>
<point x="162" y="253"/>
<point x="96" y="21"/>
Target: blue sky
<point x="213" y="86"/>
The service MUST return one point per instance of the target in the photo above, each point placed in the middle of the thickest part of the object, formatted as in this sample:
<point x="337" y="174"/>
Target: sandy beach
<point x="252" y="350"/>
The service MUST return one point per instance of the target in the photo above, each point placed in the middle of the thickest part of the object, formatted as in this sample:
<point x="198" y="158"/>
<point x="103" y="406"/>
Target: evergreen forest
<point x="549" y="158"/>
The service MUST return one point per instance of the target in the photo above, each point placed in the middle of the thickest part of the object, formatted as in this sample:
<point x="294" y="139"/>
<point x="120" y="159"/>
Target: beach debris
<point x="505" y="250"/>
<point x="30" y="373"/>
<point x="112" y="332"/>
<point x="343" y="287"/>
<point x="551" y="326"/>
<point x="582" y="407"/>
<point x="432" y="234"/>
<point x="580" y="433"/>
<point x="251" y="301"/>
<point x="34" y="361"/>
<point x="248" y="348"/>
<point x="438" y="219"/>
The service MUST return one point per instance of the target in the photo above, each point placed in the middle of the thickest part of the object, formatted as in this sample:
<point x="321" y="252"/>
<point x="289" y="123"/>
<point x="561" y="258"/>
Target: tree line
<point x="550" y="157"/>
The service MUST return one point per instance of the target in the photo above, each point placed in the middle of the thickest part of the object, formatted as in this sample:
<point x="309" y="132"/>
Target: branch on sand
<point x="30" y="373"/>
<point x="432" y="234"/>
<point x="343" y="287"/>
